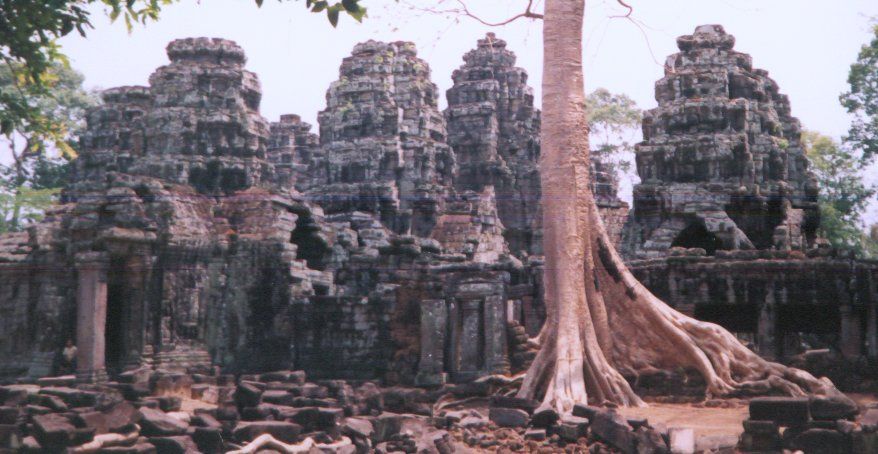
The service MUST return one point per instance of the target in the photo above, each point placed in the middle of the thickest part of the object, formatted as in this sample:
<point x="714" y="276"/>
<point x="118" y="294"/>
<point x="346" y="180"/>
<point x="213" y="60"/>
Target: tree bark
<point x="599" y="318"/>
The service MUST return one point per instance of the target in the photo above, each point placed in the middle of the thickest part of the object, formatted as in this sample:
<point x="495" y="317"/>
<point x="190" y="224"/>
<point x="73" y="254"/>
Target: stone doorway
<point x="118" y="298"/>
<point x="697" y="236"/>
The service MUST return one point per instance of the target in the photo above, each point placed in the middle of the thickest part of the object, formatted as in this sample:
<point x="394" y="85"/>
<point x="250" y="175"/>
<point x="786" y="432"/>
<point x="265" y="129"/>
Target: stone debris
<point x="789" y="423"/>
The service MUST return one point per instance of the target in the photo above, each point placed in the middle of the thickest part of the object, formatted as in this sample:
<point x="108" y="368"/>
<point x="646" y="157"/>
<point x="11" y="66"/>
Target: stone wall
<point x="782" y="302"/>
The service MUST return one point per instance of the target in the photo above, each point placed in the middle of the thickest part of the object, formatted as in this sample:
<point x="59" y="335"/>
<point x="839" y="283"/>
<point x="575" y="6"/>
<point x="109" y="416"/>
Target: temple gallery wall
<point x="403" y="242"/>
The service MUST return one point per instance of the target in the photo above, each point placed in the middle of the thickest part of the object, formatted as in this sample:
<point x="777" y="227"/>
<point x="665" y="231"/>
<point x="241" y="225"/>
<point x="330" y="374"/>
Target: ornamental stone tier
<point x="721" y="164"/>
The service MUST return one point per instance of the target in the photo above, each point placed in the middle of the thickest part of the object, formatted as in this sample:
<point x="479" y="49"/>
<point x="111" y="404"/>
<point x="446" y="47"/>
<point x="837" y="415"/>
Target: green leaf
<point x="259" y="3"/>
<point x="351" y="6"/>
<point x="319" y="6"/>
<point x="332" y="15"/>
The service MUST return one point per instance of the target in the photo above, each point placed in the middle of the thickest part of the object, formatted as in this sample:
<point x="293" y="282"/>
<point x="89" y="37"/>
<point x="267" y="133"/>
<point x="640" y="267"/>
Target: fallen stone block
<point x="247" y="395"/>
<point x="55" y="431"/>
<point x="10" y="436"/>
<point x="155" y="423"/>
<point x="9" y="415"/>
<point x="535" y="434"/>
<point x="833" y="408"/>
<point x="73" y="397"/>
<point x="822" y="441"/>
<point x="785" y="411"/>
<point x="572" y="428"/>
<point x="681" y="440"/>
<point x="180" y="444"/>
<point x="385" y="426"/>
<point x="546" y="417"/>
<point x="613" y="429"/>
<point x="93" y="419"/>
<point x="508" y="417"/>
<point x="869" y="420"/>
<point x="357" y="428"/>
<point x="528" y="405"/>
<point x="208" y="439"/>
<point x="120" y="417"/>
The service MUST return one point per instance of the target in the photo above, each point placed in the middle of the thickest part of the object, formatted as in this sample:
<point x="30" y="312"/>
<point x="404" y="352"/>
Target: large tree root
<point x="266" y="442"/>
<point x="634" y="331"/>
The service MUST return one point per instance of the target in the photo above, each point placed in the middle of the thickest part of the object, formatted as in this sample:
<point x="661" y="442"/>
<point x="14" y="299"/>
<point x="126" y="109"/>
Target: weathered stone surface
<point x="832" y="408"/>
<point x="614" y="430"/>
<point x="157" y="423"/>
<point x="721" y="164"/>
<point x="785" y="411"/>
<point x="174" y="445"/>
<point x="508" y="417"/>
<point x="822" y="441"/>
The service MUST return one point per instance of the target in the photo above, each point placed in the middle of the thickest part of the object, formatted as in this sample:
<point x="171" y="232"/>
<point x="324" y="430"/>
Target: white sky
<point x="806" y="45"/>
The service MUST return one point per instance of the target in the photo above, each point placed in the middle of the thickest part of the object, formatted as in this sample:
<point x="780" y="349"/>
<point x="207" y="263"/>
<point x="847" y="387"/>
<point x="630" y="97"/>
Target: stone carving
<point x="721" y="163"/>
<point x="383" y="139"/>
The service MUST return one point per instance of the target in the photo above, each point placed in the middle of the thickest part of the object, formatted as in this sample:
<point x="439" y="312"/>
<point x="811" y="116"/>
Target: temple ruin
<point x="402" y="243"/>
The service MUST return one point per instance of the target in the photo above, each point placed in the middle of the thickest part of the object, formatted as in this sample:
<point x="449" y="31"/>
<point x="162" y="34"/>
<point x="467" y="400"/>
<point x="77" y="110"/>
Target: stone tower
<point x="721" y="162"/>
<point x="493" y="128"/>
<point x="204" y="128"/>
<point x="383" y="139"/>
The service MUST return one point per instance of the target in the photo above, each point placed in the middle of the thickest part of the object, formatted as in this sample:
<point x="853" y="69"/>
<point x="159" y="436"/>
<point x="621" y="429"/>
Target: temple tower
<point x="721" y="162"/>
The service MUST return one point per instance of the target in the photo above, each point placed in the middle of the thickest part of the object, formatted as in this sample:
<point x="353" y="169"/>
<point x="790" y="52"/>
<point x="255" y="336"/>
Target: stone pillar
<point x="850" y="332"/>
<point x="496" y="356"/>
<point x="471" y="343"/>
<point x="872" y="314"/>
<point x="434" y="325"/>
<point x="91" y="316"/>
<point x="766" y="325"/>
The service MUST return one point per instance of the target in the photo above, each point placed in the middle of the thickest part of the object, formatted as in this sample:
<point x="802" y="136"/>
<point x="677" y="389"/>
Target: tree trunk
<point x="599" y="318"/>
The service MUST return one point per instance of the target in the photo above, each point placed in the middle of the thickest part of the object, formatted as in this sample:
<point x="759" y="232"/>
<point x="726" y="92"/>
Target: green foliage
<point x="862" y="100"/>
<point x="46" y="115"/>
<point x="614" y="119"/>
<point x="24" y="206"/>
<point x="30" y="181"/>
<point x="843" y="194"/>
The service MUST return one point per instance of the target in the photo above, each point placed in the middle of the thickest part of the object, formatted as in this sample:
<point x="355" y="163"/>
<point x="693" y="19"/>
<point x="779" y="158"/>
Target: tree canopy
<point x="40" y="145"/>
<point x="843" y="193"/>
<point x="862" y="99"/>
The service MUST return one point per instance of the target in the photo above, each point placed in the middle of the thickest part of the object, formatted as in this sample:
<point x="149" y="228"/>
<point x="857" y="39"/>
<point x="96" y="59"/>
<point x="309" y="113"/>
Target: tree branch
<point x="626" y="15"/>
<point x="527" y="14"/>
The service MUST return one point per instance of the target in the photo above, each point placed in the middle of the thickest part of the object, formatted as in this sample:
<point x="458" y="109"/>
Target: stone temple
<point x="402" y="243"/>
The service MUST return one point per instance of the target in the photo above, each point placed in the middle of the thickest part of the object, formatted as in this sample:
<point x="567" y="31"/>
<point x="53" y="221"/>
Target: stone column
<point x="766" y="325"/>
<point x="872" y="314"/>
<point x="91" y="316"/>
<point x="434" y="325"/>
<point x="496" y="356"/>
<point x="850" y="332"/>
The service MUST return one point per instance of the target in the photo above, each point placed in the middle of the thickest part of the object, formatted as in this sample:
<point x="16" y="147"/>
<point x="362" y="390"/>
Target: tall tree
<point x="843" y="193"/>
<point x="600" y="319"/>
<point x="862" y="99"/>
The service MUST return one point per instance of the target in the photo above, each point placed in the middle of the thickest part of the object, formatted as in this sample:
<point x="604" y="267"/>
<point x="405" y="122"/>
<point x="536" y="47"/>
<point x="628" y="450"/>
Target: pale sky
<point x="806" y="45"/>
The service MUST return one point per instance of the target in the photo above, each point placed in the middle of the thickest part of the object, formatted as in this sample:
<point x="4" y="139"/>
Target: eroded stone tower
<point x="383" y="139"/>
<point x="721" y="162"/>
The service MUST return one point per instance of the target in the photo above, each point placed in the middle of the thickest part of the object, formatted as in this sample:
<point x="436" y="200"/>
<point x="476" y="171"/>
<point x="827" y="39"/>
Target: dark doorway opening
<point x="697" y="236"/>
<point x="118" y="296"/>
